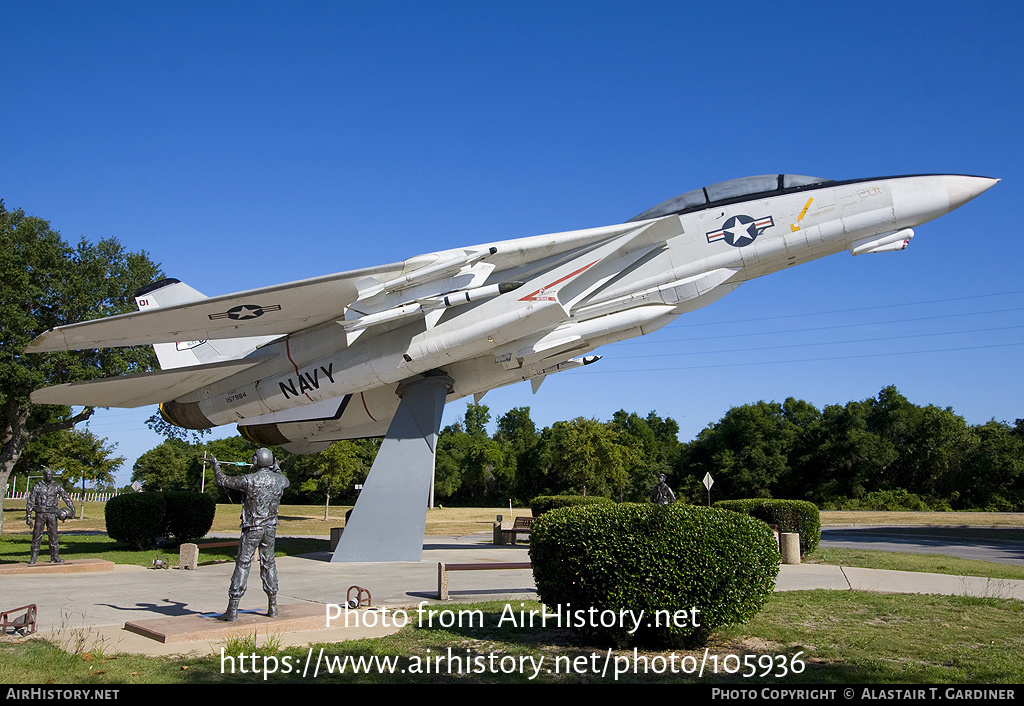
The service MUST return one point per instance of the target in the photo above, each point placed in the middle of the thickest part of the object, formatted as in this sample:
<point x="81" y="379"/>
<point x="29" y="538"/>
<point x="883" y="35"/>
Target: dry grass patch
<point x="308" y="520"/>
<point x="973" y="519"/>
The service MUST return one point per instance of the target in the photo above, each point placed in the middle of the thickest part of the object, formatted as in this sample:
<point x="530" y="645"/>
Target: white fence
<point x="77" y="497"/>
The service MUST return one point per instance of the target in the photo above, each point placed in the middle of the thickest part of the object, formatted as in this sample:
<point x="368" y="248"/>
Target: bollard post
<point x="789" y="546"/>
<point x="442" y="582"/>
<point x="188" y="556"/>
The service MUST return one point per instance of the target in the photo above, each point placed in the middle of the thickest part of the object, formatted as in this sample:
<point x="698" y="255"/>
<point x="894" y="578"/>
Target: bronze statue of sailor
<point x="42" y="500"/>
<point x="661" y="494"/>
<point x="263" y="489"/>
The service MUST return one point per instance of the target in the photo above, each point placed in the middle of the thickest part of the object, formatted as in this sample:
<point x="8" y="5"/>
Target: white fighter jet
<point x="378" y="351"/>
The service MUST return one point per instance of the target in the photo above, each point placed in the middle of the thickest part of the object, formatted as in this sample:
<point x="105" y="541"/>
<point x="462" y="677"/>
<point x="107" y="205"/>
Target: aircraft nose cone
<point x="919" y="199"/>
<point x="962" y="189"/>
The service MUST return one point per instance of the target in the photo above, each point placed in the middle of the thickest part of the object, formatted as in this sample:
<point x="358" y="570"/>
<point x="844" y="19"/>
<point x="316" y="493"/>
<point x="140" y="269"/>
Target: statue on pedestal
<point x="263" y="489"/>
<point x="42" y="500"/>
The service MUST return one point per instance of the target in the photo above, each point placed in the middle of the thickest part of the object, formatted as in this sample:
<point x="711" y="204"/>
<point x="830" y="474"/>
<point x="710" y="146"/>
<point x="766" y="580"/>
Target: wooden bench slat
<point x="521" y="525"/>
<point x="443" y="569"/>
<point x="489" y="565"/>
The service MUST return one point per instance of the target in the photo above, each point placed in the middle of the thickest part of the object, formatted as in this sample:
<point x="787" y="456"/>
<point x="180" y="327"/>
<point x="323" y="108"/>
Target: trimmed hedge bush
<point x="653" y="558"/>
<point x="137" y="519"/>
<point x="189" y="515"/>
<point x="789" y="515"/>
<point x="542" y="503"/>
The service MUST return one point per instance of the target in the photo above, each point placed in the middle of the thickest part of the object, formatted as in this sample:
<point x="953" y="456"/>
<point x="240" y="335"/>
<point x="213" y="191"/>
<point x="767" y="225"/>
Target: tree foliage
<point x="472" y="468"/>
<point x="619" y="459"/>
<point x="587" y="456"/>
<point x="44" y="283"/>
<point x="876" y="451"/>
<point x="170" y="466"/>
<point x="335" y="471"/>
<point x="178" y="465"/>
<point x="883" y="452"/>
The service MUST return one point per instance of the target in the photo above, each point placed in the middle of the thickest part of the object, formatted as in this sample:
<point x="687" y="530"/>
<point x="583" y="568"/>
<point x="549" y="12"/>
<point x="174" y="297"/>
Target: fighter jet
<point x="379" y="351"/>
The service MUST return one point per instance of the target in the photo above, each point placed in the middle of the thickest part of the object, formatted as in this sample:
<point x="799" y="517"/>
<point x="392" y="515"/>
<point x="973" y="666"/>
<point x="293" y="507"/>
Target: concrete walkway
<point x="96" y="606"/>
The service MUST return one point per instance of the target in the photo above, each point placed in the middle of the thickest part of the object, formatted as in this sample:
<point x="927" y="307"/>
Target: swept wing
<point x="287" y="308"/>
<point x="276" y="310"/>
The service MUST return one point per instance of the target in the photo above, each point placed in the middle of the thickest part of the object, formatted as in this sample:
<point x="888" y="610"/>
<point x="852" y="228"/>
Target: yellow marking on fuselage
<point x="793" y="226"/>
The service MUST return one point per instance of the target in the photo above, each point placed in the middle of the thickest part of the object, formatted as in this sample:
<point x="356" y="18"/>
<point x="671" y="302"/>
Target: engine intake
<point x="185" y="414"/>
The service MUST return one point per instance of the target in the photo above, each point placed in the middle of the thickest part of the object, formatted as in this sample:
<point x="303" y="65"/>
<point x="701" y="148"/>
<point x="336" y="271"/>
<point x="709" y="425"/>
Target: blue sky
<point x="246" y="144"/>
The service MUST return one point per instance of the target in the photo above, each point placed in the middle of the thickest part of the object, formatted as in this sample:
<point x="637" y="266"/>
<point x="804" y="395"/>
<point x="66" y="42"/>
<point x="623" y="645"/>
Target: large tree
<point x="78" y="455"/>
<point x="839" y="455"/>
<point x="656" y="446"/>
<point x="336" y="469"/>
<point x="44" y="282"/>
<point x="746" y="452"/>
<point x="173" y="465"/>
<point x="520" y="442"/>
<point x="470" y="466"/>
<point x="586" y="456"/>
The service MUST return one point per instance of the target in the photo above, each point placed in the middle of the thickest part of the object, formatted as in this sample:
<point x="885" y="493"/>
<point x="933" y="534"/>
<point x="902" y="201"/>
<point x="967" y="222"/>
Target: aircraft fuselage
<point x="573" y="293"/>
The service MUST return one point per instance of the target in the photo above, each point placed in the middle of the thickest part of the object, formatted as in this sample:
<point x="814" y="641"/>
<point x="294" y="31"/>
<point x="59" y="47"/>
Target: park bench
<point x="25" y="623"/>
<point x="443" y="569"/>
<point x="521" y="525"/>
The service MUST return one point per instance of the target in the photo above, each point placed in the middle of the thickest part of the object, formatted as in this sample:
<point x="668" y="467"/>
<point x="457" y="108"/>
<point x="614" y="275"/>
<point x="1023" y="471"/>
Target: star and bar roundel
<point x="741" y="230"/>
<point x="245" y="311"/>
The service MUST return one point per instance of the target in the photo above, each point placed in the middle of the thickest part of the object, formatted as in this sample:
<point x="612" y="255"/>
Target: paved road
<point x="1002" y="545"/>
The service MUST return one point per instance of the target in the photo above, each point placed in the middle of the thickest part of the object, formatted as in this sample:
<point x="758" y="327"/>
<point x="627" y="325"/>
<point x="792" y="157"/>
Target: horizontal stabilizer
<point x="142" y="389"/>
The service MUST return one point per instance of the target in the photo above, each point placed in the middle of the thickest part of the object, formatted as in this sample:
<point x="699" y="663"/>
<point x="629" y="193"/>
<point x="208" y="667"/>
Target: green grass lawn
<point x="816" y="637"/>
<point x="930" y="563"/>
<point x="16" y="548"/>
<point x="821" y="637"/>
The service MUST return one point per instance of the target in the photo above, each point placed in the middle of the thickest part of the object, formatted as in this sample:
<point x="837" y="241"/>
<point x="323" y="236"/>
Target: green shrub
<point x="997" y="503"/>
<point x="654" y="558"/>
<point x="895" y="500"/>
<point x="189" y="515"/>
<point x="542" y="503"/>
<point x="136" y="519"/>
<point x="797" y="516"/>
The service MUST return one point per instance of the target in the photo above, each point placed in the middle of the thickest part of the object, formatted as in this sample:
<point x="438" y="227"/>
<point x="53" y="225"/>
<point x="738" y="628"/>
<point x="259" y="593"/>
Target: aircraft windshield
<point x="729" y="191"/>
<point x="737" y="188"/>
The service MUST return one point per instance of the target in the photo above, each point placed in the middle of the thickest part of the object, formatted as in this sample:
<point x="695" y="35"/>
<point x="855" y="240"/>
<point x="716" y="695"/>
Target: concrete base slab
<point x="292" y="617"/>
<point x="71" y="566"/>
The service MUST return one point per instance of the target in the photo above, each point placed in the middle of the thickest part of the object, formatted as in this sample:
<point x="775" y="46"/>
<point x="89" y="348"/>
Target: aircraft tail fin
<point x="170" y="292"/>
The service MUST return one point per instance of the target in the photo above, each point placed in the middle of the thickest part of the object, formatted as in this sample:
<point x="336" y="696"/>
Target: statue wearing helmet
<point x="42" y="500"/>
<point x="263" y="489"/>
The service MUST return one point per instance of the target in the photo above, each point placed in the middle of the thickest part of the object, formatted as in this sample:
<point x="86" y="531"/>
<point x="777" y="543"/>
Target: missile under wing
<point x="378" y="351"/>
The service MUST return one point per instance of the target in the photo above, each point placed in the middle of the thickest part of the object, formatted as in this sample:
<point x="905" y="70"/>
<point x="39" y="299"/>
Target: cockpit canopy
<point x="731" y="191"/>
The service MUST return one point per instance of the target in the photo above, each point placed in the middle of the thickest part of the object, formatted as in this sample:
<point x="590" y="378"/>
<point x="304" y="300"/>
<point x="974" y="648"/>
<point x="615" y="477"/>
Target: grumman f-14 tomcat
<point x="378" y="351"/>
